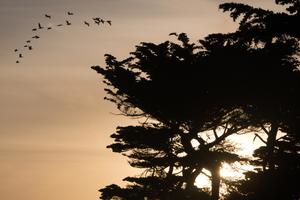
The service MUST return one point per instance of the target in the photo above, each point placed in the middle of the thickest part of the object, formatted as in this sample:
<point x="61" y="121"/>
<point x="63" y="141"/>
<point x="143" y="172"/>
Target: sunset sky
<point x="54" y="123"/>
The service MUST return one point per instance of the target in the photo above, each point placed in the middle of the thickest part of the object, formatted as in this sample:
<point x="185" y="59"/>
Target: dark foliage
<point x="226" y="84"/>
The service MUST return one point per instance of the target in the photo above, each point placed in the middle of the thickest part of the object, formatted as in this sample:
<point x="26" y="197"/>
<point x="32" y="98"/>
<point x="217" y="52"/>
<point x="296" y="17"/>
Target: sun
<point x="229" y="172"/>
<point x="233" y="171"/>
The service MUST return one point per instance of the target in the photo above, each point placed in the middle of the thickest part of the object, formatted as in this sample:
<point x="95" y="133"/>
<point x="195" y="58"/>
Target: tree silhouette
<point x="193" y="96"/>
<point x="147" y="85"/>
<point x="279" y="158"/>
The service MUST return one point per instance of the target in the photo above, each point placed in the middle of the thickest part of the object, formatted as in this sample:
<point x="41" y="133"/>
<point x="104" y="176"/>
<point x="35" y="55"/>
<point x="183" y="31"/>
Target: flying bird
<point x="97" y="19"/>
<point x="40" y="26"/>
<point x="68" y="23"/>
<point x="174" y="33"/>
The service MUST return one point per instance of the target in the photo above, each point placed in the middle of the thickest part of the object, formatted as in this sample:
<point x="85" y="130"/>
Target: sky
<point x="54" y="123"/>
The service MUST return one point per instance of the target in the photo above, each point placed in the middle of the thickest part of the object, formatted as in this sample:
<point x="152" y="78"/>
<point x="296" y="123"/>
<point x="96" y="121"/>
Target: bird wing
<point x="174" y="33"/>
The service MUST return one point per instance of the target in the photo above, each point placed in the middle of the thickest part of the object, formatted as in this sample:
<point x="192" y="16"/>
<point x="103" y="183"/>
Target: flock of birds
<point x="28" y="46"/>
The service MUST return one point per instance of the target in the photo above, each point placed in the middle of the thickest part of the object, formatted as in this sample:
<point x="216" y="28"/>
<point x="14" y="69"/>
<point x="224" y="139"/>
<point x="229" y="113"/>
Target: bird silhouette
<point x="48" y="16"/>
<point x="40" y="26"/>
<point x="173" y="33"/>
<point x="96" y="20"/>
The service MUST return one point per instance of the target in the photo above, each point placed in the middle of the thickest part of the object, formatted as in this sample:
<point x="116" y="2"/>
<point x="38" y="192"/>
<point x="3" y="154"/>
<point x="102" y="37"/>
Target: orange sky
<point x="54" y="123"/>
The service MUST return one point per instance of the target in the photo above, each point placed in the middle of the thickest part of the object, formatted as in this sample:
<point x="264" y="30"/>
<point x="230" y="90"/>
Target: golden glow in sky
<point x="54" y="123"/>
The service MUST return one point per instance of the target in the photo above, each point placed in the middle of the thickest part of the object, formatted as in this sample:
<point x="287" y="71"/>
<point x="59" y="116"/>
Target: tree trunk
<point x="271" y="146"/>
<point x="215" y="182"/>
<point x="192" y="178"/>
